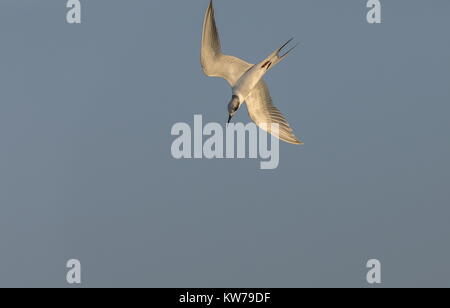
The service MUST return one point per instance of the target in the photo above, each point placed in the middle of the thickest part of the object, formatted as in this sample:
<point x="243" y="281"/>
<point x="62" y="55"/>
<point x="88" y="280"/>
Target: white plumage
<point x="245" y="79"/>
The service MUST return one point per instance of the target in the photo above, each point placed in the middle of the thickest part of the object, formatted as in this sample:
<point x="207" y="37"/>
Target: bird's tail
<point x="277" y="56"/>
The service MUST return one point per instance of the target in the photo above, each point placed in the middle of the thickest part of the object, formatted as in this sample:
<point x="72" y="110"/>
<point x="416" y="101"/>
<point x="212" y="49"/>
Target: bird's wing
<point x="259" y="102"/>
<point x="214" y="63"/>
<point x="262" y="111"/>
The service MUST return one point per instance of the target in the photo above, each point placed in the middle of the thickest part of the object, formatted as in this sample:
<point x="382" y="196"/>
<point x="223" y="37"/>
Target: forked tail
<point x="276" y="57"/>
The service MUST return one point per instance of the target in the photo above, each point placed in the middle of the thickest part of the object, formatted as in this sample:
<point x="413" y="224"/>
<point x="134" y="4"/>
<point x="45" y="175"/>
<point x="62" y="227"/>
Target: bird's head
<point x="233" y="106"/>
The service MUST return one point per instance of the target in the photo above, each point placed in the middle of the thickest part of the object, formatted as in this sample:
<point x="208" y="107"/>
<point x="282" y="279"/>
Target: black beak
<point x="229" y="118"/>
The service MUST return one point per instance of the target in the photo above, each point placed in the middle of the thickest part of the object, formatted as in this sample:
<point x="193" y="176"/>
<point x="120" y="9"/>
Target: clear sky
<point x="86" y="171"/>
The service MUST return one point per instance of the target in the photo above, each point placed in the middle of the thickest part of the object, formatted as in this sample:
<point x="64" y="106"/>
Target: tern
<point x="246" y="80"/>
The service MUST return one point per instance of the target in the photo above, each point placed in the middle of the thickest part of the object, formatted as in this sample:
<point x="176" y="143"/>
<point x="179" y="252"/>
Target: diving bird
<point x="246" y="80"/>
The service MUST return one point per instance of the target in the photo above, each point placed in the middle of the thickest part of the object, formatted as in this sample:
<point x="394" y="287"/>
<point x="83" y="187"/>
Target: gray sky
<point x="86" y="170"/>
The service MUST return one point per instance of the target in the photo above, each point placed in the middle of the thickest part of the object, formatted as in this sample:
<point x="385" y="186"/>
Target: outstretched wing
<point x="262" y="111"/>
<point x="214" y="63"/>
<point x="259" y="103"/>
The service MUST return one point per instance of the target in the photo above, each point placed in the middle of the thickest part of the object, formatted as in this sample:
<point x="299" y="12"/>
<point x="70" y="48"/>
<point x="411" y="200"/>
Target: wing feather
<point x="214" y="63"/>
<point x="262" y="111"/>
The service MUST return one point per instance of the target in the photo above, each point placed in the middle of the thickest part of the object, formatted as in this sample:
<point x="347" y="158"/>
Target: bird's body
<point x="245" y="79"/>
<point x="247" y="82"/>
